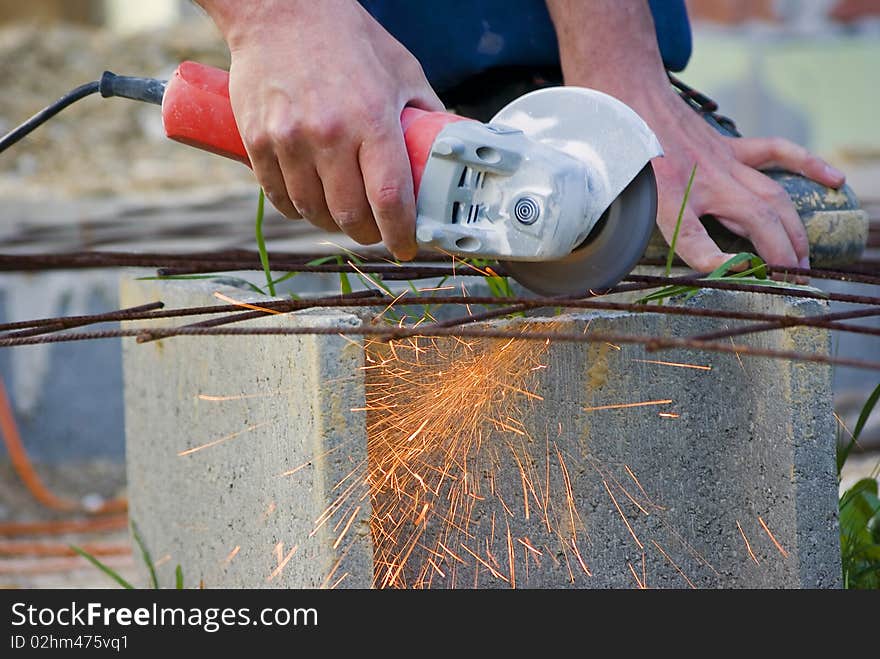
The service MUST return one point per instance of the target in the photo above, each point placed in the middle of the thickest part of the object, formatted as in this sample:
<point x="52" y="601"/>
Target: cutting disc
<point x="608" y="254"/>
<point x="616" y="146"/>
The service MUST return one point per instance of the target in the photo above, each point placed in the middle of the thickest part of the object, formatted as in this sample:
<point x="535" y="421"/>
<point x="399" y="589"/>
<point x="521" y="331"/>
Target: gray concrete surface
<point x="226" y="513"/>
<point x="667" y="495"/>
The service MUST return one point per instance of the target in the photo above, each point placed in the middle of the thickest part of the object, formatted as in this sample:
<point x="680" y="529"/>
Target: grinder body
<point x="524" y="188"/>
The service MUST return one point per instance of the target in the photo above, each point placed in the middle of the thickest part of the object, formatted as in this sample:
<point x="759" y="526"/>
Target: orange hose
<point x="18" y="567"/>
<point x="57" y="527"/>
<point x="61" y="549"/>
<point x="26" y="472"/>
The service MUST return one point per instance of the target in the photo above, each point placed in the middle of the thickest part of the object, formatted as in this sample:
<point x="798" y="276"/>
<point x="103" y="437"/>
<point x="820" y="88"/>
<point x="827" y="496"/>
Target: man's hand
<point x="610" y="45"/>
<point x="317" y="89"/>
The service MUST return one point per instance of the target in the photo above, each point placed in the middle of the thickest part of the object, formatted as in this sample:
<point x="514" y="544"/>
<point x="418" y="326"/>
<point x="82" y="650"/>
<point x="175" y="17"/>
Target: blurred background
<point x="102" y="176"/>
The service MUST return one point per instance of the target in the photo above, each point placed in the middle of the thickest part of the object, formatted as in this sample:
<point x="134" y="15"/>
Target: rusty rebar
<point x="651" y="343"/>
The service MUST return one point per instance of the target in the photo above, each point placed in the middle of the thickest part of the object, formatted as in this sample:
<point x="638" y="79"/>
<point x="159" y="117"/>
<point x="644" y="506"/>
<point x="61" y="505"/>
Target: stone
<point x="484" y="463"/>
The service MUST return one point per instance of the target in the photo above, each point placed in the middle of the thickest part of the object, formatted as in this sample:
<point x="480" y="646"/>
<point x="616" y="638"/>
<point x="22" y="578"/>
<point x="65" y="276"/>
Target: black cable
<point x="47" y="113"/>
<point x="148" y="90"/>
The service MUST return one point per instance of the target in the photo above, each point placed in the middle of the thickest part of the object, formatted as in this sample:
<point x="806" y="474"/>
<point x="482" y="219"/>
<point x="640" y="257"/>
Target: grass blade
<point x="178" y="578"/>
<point x="687" y="193"/>
<point x="110" y="572"/>
<point x="148" y="560"/>
<point x="261" y="243"/>
<point x="867" y="408"/>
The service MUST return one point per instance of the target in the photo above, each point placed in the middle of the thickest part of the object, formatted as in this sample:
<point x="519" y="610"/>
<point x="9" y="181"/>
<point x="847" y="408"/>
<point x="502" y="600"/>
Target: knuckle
<point x="349" y="220"/>
<point x="389" y="198"/>
<point x="303" y="207"/>
<point x="768" y="215"/>
<point x="259" y="141"/>
<point x="690" y="230"/>
<point x="284" y="134"/>
<point x="284" y="131"/>
<point x="779" y="145"/>
<point x="780" y="198"/>
<point x="374" y="114"/>
<point x="326" y="129"/>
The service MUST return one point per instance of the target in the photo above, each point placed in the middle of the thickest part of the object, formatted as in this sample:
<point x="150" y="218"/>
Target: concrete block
<point x="258" y="407"/>
<point x="484" y="463"/>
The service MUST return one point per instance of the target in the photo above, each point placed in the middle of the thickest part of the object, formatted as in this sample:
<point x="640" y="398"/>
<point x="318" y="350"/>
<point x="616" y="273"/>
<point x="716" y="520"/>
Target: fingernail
<point x="804" y="263"/>
<point x="833" y="172"/>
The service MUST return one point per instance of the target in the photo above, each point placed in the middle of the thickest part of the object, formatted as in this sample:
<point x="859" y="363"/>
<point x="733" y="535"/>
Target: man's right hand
<point x="317" y="89"/>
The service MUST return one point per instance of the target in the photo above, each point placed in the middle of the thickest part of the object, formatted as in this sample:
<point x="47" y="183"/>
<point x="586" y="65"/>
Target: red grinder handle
<point x="196" y="110"/>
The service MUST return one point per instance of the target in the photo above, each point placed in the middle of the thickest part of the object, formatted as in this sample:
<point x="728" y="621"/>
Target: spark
<point x="639" y="582"/>
<point x="619" y="406"/>
<point x="390" y="304"/>
<point x="225" y="438"/>
<point x="269" y="510"/>
<point x="282" y="562"/>
<point x="436" y="568"/>
<point x="842" y="424"/>
<point x="698" y="367"/>
<point x="418" y="430"/>
<point x="748" y="546"/>
<point x="347" y="526"/>
<point x="451" y="553"/>
<point x="738" y="358"/>
<point x="350" y="340"/>
<point x="437" y="288"/>
<point x="338" y="581"/>
<point x="222" y="399"/>
<point x="577" y="554"/>
<point x="431" y="405"/>
<point x="667" y="557"/>
<point x="485" y="564"/>
<point x="232" y="554"/>
<point x="638" y="484"/>
<point x="622" y="516"/>
<point x="511" y="557"/>
<point x="330" y="243"/>
<point x="775" y="542"/>
<point x="246" y="305"/>
<point x="464" y="294"/>
<point x="162" y="561"/>
<point x="668" y="415"/>
<point x="525" y="542"/>
<point x="366" y="278"/>
<point x="507" y="427"/>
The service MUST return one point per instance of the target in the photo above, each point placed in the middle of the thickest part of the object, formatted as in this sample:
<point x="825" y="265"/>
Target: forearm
<point x="237" y="18"/>
<point x="609" y="45"/>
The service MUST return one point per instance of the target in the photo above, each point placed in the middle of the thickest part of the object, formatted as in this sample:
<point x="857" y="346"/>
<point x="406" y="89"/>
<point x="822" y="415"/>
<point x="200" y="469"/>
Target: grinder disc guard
<point x="608" y="254"/>
<point x="616" y="146"/>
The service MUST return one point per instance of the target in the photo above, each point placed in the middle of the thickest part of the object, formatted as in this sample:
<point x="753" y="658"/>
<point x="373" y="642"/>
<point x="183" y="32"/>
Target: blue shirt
<point x="455" y="39"/>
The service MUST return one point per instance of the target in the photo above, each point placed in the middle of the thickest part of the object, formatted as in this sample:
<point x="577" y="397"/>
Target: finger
<point x="777" y="152"/>
<point x="748" y="215"/>
<point x="777" y="198"/>
<point x="303" y="187"/>
<point x="269" y="175"/>
<point x="693" y="243"/>
<point x="389" y="189"/>
<point x="342" y="180"/>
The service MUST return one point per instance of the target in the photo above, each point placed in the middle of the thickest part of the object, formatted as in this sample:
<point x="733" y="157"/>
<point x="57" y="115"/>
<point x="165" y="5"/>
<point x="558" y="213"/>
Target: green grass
<point x="670" y="255"/>
<point x="110" y="572"/>
<point x="145" y="556"/>
<point x="860" y="515"/>
<point x="261" y="243"/>
<point x="754" y="275"/>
